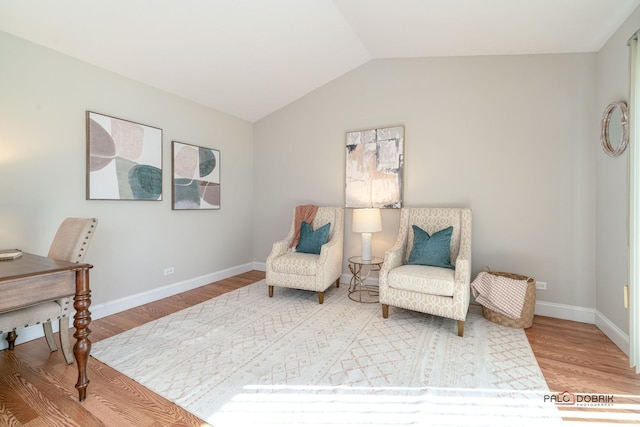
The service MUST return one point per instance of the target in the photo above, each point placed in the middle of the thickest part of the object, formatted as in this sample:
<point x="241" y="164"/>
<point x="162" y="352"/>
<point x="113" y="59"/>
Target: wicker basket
<point x="526" y="317"/>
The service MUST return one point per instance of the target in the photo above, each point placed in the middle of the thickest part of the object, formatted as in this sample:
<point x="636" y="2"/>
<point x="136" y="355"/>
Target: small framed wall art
<point x="374" y="163"/>
<point x="195" y="173"/>
<point x="124" y="159"/>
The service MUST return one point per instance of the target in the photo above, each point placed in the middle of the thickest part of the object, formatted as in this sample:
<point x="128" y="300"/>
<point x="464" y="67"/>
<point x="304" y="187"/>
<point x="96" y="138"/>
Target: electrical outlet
<point x="168" y="271"/>
<point x="541" y="286"/>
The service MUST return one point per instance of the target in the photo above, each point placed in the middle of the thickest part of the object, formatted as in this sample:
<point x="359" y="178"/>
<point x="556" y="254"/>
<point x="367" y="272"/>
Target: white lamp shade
<point x="366" y="220"/>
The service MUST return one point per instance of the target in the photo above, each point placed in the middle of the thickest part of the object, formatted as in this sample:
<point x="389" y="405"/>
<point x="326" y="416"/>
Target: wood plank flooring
<point x="37" y="387"/>
<point x="579" y="358"/>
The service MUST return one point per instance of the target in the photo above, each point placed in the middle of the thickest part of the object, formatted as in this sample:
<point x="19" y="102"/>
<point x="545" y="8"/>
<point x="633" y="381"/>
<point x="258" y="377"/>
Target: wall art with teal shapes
<point x="124" y="159"/>
<point x="195" y="173"/>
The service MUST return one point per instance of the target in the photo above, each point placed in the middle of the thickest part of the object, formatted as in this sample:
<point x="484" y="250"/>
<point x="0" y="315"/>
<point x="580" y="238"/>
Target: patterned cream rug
<point x="246" y="359"/>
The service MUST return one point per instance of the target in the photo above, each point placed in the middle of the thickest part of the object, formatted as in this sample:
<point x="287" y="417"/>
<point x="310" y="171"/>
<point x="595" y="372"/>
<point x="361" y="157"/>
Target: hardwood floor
<point x="579" y="358"/>
<point x="37" y="387"/>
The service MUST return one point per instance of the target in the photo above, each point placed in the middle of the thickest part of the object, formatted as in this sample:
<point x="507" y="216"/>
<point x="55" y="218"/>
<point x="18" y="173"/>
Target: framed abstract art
<point x="124" y="159"/>
<point x="195" y="173"/>
<point x="374" y="164"/>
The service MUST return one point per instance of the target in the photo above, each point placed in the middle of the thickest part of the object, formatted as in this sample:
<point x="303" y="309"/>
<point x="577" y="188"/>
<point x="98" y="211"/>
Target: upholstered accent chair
<point x="437" y="290"/>
<point x="70" y="243"/>
<point x="289" y="268"/>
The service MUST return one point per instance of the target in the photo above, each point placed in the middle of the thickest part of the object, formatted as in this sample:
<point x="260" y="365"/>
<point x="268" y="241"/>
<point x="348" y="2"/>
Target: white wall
<point x="514" y="138"/>
<point x="612" y="188"/>
<point x="510" y="137"/>
<point x="43" y="99"/>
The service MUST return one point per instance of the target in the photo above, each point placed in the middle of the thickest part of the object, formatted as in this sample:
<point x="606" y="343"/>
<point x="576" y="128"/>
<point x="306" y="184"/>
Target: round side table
<point x="358" y="291"/>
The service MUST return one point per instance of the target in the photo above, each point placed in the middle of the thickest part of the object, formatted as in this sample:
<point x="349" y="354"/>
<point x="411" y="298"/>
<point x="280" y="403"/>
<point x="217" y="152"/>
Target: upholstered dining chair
<point x="70" y="243"/>
<point x="301" y="268"/>
<point x="429" y="267"/>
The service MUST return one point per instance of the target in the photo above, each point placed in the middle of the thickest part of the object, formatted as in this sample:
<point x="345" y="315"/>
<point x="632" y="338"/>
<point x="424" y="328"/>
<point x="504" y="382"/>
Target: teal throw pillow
<point x="431" y="250"/>
<point x="311" y="241"/>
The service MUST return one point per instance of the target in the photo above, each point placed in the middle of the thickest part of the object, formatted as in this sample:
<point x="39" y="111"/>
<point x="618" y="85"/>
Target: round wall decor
<point x="614" y="133"/>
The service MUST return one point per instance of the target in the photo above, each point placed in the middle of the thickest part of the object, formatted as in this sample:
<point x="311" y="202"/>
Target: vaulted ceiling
<point x="250" y="58"/>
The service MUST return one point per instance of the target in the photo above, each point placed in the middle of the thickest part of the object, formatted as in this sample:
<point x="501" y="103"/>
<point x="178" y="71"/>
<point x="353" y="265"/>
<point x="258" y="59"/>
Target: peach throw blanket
<point x="303" y="213"/>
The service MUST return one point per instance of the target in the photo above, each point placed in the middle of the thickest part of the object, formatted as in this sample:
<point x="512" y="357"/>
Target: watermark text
<point x="566" y="398"/>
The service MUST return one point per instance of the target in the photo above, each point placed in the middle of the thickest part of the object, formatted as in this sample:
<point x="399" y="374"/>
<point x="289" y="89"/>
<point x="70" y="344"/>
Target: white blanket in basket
<point x="500" y="294"/>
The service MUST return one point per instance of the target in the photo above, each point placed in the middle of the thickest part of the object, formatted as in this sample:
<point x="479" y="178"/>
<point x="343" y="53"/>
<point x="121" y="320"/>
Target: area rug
<point x="246" y="359"/>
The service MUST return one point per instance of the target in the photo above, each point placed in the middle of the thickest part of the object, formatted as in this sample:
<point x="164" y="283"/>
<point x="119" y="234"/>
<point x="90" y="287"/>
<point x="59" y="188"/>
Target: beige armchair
<point x="439" y="291"/>
<point x="314" y="272"/>
<point x="70" y="243"/>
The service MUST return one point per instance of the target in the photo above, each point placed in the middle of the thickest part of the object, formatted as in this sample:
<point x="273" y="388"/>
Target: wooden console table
<point x="33" y="279"/>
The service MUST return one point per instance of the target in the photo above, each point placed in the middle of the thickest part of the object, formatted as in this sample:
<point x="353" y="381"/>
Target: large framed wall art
<point x="195" y="175"/>
<point x="124" y="159"/>
<point x="374" y="163"/>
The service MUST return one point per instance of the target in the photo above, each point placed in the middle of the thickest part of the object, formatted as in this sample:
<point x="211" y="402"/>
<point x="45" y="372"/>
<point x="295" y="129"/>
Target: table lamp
<point x="366" y="221"/>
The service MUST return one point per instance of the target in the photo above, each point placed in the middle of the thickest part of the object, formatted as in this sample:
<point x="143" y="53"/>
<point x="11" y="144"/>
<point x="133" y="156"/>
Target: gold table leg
<point x="357" y="285"/>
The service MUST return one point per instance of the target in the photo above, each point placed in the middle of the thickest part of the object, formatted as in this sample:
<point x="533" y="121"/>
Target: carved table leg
<point x="81" y="320"/>
<point x="11" y="339"/>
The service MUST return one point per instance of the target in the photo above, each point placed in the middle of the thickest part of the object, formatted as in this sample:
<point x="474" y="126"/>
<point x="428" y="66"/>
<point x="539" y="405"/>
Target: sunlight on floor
<point x="388" y="406"/>
<point x="625" y="409"/>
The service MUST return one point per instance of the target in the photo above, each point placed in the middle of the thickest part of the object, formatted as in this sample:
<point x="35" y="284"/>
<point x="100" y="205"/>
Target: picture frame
<point x="124" y="159"/>
<point x="373" y="168"/>
<point x="195" y="177"/>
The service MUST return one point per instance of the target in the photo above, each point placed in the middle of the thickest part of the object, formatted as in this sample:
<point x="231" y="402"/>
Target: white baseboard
<point x="543" y="308"/>
<point x="585" y="315"/>
<point x="116" y="306"/>
<point x="561" y="311"/>
<point x="613" y="332"/>
<point x="32" y="333"/>
<point x="567" y="312"/>
<point x="107" y="309"/>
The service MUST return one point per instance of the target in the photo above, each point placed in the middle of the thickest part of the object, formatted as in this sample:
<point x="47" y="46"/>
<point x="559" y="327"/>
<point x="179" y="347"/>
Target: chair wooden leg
<point x="270" y="291"/>
<point x="11" y="339"/>
<point x="460" y="328"/>
<point x="65" y="344"/>
<point x="320" y="297"/>
<point x="385" y="311"/>
<point x="338" y="282"/>
<point x="48" y="334"/>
